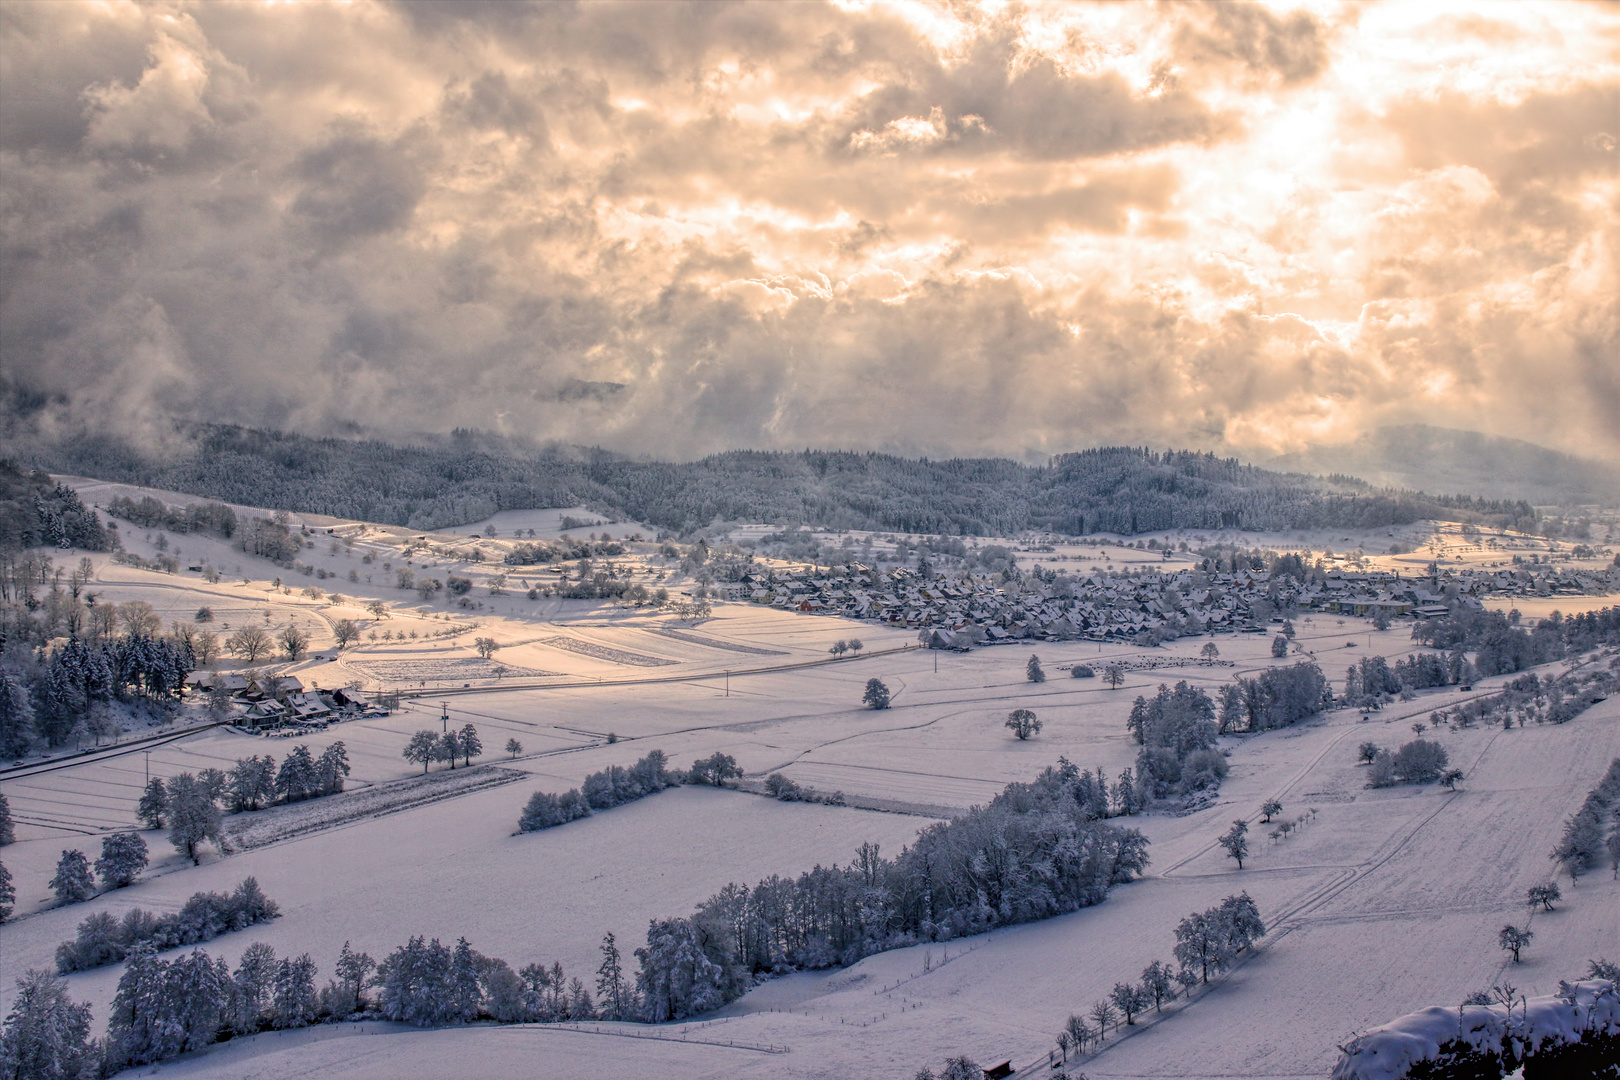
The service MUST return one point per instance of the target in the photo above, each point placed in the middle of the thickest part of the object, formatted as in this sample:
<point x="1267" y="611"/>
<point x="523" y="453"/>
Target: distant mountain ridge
<point x="1425" y="458"/>
<point x="470" y="476"/>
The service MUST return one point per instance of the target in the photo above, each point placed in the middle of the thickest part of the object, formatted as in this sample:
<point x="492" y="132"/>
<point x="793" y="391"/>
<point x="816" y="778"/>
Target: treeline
<point x="165" y="1008"/>
<point x="1501" y="646"/>
<point x="469" y="477"/>
<point x="205" y="517"/>
<point x="1277" y="697"/>
<point x="36" y="511"/>
<point x="1035" y="851"/>
<point x="252" y="783"/>
<point x="617" y="785"/>
<point x="1583" y="841"/>
<point x="550" y="551"/>
<point x="102" y="939"/>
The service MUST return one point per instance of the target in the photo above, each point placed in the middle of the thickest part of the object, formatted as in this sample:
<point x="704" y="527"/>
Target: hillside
<point x="1443" y="459"/>
<point x="469" y="477"/>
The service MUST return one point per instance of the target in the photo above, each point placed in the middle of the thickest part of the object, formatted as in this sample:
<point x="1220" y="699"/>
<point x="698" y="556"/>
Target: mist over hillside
<point x="1444" y="459"/>
<point x="470" y="476"/>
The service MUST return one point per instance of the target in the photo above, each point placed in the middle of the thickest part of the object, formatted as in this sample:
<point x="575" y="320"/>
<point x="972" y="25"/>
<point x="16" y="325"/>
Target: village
<point x="1144" y="607"/>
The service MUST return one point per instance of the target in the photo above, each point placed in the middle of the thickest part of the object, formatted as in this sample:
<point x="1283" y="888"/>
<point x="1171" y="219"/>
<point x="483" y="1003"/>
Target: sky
<point x="671" y="229"/>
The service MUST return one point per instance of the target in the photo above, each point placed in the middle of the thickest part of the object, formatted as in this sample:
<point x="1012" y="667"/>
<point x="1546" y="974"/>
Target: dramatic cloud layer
<point x="674" y="228"/>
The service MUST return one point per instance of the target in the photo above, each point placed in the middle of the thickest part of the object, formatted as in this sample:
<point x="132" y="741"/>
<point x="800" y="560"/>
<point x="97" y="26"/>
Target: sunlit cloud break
<point x="948" y="229"/>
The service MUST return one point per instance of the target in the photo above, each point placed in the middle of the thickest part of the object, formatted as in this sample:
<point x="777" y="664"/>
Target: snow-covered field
<point x="1383" y="902"/>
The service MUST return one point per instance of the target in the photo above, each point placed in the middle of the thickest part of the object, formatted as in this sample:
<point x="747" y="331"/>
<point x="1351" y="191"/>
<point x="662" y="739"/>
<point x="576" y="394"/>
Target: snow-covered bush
<point x="1575" y="1032"/>
<point x="102" y="939"/>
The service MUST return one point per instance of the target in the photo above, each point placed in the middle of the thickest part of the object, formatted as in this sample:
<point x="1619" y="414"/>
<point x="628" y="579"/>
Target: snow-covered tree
<point x="449" y="747"/>
<point x="961" y="1067"/>
<point x="1129" y="999"/>
<point x="46" y="1036"/>
<point x="8" y="831"/>
<point x="154" y="804"/>
<point x="677" y="979"/>
<point x="332" y="767"/>
<point x="255" y="982"/>
<point x="611" y="991"/>
<point x="8" y="893"/>
<point x="296" y="779"/>
<point x="423" y="748"/>
<point x="353" y="969"/>
<point x="513" y="747"/>
<point x="16" y="716"/>
<point x="251" y="783"/>
<point x="294" y="1001"/>
<point x="1545" y="894"/>
<point x="123" y="857"/>
<point x="876" y="695"/>
<point x="73" y="882"/>
<point x="1104" y="1015"/>
<point x="1033" y="671"/>
<point x="1236" y="841"/>
<point x="1270" y="809"/>
<point x="193" y="816"/>
<point x="1159" y="983"/>
<point x="467" y="741"/>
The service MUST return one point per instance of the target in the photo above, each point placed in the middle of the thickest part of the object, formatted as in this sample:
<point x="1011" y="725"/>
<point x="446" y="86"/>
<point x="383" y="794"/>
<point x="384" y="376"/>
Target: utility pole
<point x="148" y="754"/>
<point x="728" y="682"/>
<point x="444" y="715"/>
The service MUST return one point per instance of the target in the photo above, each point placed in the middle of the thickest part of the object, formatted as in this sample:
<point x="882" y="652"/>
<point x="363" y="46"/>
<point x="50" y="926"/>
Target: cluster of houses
<point x="267" y="702"/>
<point x="959" y="610"/>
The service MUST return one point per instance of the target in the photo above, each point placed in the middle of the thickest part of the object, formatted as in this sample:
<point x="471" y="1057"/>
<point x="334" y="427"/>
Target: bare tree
<point x="346" y="632"/>
<point x="250" y="643"/>
<point x="294" y="642"/>
<point x="486" y="646"/>
<point x="139" y="619"/>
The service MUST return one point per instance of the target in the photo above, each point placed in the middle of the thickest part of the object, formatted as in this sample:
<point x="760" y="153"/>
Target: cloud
<point x="680" y="228"/>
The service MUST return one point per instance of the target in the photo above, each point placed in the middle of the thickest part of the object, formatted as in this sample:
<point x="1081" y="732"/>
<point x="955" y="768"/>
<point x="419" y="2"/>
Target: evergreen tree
<point x="73" y="882"/>
<point x="46" y="1036"/>
<point x="193" y="817"/>
<point x="610" y="988"/>
<point x="16" y="716"/>
<point x="8" y="831"/>
<point x="154" y="804"/>
<point x="8" y="893"/>
<point x="876" y="695"/>
<point x="294" y="1002"/>
<point x="123" y="857"/>
<point x="1033" y="671"/>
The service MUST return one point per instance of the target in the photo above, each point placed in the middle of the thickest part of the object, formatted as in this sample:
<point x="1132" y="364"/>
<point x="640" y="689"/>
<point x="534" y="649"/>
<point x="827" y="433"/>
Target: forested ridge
<point x="469" y="476"/>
